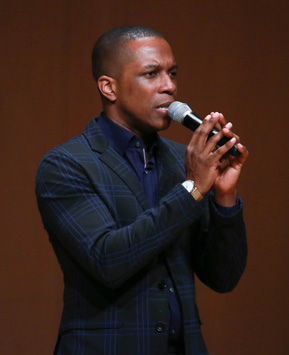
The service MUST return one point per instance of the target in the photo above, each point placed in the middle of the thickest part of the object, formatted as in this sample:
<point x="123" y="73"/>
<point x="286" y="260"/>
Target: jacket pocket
<point x="90" y="326"/>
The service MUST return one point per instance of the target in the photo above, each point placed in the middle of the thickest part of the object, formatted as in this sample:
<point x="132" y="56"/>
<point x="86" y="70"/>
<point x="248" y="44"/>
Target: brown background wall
<point x="233" y="57"/>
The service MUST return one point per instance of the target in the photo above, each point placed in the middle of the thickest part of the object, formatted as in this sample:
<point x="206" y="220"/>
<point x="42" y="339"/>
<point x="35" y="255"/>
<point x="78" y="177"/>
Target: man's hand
<point x="208" y="165"/>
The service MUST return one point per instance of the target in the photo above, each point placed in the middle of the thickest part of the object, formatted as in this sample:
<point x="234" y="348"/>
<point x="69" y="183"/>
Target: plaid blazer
<point x="115" y="252"/>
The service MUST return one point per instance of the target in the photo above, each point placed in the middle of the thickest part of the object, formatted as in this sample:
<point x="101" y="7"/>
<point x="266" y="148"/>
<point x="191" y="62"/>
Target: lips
<point x="164" y="106"/>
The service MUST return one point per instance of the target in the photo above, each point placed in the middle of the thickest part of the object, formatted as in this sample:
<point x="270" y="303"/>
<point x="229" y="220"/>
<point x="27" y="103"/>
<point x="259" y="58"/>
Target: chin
<point x="166" y="124"/>
<point x="158" y="126"/>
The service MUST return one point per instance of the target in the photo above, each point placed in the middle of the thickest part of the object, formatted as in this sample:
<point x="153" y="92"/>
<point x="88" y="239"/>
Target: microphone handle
<point x="192" y="121"/>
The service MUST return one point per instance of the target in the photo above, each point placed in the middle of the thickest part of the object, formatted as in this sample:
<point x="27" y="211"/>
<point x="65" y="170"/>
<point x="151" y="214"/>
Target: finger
<point x="244" y="153"/>
<point x="227" y="128"/>
<point x="218" y="125"/>
<point x="200" y="135"/>
<point x="207" y="126"/>
<point x="212" y="143"/>
<point x="222" y="123"/>
<point x="228" y="133"/>
<point x="222" y="120"/>
<point x="229" y="125"/>
<point x="222" y="150"/>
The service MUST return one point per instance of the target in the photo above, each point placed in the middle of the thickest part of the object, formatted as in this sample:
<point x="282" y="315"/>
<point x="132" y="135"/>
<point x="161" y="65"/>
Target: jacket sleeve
<point x="220" y="249"/>
<point x="78" y="220"/>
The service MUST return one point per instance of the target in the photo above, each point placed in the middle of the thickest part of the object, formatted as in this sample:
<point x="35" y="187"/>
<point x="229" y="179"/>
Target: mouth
<point x="164" y="106"/>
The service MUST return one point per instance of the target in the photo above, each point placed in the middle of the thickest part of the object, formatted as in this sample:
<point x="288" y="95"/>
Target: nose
<point x="168" y="84"/>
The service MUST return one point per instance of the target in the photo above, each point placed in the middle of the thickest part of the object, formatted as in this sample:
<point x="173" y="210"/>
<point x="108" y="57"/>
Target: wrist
<point x="189" y="185"/>
<point x="225" y="199"/>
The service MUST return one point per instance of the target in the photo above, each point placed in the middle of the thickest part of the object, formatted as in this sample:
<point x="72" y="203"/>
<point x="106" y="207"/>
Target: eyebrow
<point x="156" y="66"/>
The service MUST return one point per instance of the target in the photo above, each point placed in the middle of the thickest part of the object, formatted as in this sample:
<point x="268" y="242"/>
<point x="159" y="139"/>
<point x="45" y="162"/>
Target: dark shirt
<point x="132" y="149"/>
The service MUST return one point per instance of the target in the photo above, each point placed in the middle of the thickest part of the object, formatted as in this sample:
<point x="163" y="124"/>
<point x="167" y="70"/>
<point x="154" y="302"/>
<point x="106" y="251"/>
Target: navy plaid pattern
<point x="111" y="247"/>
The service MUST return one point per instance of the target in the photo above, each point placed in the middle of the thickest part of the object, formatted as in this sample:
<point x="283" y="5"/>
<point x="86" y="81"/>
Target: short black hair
<point x="109" y="47"/>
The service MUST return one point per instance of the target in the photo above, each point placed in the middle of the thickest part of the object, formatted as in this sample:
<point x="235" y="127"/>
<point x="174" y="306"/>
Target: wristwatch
<point x="189" y="185"/>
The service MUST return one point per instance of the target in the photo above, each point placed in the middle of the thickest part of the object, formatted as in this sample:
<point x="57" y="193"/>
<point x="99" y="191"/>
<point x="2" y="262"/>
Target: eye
<point x="173" y="74"/>
<point x="151" y="74"/>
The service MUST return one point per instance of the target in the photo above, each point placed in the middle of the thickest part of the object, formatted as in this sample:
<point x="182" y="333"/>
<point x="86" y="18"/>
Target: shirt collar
<point x="119" y="137"/>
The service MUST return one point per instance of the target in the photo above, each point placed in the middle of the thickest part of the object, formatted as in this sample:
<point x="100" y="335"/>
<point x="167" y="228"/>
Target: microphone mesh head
<point x="178" y="111"/>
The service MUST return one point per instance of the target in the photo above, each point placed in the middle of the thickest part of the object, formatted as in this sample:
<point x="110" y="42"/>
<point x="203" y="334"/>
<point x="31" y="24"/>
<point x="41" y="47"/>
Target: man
<point x="132" y="216"/>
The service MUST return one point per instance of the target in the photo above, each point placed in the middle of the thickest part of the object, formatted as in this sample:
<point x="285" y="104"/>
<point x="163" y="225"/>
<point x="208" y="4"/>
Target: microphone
<point x="182" y="113"/>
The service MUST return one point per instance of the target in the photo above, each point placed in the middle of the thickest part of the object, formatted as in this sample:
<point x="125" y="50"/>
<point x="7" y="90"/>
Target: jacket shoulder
<point x="73" y="147"/>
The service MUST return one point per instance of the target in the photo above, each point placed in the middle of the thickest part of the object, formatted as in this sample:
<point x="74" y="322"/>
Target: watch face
<point x="189" y="185"/>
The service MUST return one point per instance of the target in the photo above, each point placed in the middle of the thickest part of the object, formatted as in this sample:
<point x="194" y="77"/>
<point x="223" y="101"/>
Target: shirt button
<point x="162" y="285"/>
<point x="172" y="290"/>
<point x="160" y="327"/>
<point x="137" y="144"/>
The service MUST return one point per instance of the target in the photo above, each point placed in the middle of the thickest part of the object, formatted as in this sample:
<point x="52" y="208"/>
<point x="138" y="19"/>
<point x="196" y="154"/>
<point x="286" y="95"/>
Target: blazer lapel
<point x="171" y="169"/>
<point x="113" y="160"/>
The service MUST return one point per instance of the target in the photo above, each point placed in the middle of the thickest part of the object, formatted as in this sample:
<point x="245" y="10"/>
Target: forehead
<point x="151" y="50"/>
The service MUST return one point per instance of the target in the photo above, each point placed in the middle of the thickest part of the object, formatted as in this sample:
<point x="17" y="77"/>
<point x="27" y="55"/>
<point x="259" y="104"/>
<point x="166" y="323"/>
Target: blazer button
<point x="162" y="285"/>
<point x="160" y="327"/>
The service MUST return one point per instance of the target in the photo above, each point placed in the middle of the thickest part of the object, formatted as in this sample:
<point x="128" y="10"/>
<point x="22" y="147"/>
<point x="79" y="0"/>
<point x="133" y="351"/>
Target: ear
<point x="106" y="86"/>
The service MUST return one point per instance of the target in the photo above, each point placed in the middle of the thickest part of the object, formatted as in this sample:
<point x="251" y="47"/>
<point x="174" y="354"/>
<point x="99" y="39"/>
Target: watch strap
<point x="189" y="185"/>
<point x="196" y="194"/>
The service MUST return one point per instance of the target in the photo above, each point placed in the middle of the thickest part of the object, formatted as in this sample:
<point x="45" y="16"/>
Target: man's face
<point x="146" y="87"/>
